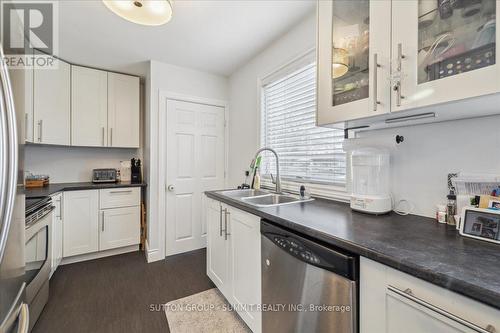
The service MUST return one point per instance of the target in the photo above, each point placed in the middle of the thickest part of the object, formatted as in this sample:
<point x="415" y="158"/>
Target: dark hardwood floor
<point x="115" y="294"/>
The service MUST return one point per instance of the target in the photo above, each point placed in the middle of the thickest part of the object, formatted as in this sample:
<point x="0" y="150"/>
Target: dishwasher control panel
<point x="310" y="251"/>
<point x="295" y="247"/>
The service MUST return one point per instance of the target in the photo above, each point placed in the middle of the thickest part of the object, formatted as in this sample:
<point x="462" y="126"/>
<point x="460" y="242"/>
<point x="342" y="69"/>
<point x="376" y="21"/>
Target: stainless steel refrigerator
<point x="14" y="313"/>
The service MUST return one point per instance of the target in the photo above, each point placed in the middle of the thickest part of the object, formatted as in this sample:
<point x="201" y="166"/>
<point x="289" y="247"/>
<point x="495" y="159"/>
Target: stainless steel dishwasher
<point x="306" y="286"/>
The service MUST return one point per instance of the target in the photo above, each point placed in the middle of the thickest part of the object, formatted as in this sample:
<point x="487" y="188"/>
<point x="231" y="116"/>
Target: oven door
<point x="38" y="255"/>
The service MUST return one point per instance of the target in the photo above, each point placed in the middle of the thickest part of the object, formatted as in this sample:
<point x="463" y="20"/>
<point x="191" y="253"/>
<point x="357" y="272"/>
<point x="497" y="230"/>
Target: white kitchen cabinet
<point x="354" y="57"/>
<point x="123" y="110"/>
<point x="81" y="222"/>
<point x="51" y="104"/>
<point x="92" y="224"/>
<point x="217" y="246"/>
<point x="89" y="107"/>
<point x="233" y="258"/>
<point x="22" y="89"/>
<point x="119" y="197"/>
<point x="245" y="268"/>
<point x="429" y="53"/>
<point x="119" y="227"/>
<point x="57" y="232"/>
<point x="394" y="302"/>
<point x="445" y="54"/>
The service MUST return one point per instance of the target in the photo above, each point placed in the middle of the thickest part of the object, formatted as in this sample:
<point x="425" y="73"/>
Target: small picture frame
<point x="494" y="204"/>
<point x="481" y="223"/>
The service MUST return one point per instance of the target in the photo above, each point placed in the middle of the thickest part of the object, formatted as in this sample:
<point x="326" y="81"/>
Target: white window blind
<point x="307" y="152"/>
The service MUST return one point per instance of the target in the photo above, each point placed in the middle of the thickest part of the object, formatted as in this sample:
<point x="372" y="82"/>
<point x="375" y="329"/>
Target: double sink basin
<point x="263" y="198"/>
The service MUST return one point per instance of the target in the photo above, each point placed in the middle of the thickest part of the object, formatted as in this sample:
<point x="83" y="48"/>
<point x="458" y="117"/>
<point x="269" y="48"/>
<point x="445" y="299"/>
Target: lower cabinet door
<point x="119" y="227"/>
<point x="245" y="267"/>
<point x="81" y="222"/>
<point x="406" y="313"/>
<point x="217" y="245"/>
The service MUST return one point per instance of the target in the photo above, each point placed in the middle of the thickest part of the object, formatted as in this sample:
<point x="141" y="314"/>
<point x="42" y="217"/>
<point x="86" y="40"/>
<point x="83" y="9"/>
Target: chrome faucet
<point x="278" y="179"/>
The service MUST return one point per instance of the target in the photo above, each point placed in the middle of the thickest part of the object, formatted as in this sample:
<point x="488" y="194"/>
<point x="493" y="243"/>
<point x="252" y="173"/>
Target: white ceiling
<point x="213" y="36"/>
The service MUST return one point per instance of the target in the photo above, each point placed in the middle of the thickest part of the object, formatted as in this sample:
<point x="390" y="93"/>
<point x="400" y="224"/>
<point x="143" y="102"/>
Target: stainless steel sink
<point x="246" y="193"/>
<point x="273" y="200"/>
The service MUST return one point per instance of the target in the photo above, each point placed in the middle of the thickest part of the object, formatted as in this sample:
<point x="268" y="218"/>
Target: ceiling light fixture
<point x="145" y="12"/>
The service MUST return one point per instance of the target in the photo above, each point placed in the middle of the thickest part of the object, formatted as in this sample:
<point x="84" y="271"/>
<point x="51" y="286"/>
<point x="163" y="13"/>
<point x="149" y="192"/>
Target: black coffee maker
<point x="135" y="171"/>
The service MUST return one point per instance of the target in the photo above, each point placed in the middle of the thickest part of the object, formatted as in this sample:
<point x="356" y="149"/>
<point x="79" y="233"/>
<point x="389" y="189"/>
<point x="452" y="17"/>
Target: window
<point x="307" y="153"/>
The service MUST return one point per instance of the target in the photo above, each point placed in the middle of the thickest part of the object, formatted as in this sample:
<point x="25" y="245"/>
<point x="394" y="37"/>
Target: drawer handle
<point x="124" y="191"/>
<point x="408" y="294"/>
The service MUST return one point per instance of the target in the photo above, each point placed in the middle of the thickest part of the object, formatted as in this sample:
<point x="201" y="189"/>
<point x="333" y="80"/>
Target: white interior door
<point x="195" y="163"/>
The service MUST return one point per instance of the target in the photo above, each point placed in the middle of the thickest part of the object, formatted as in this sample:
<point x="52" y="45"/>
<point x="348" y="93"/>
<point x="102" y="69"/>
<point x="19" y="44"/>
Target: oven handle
<point x="24" y="319"/>
<point x="14" y="312"/>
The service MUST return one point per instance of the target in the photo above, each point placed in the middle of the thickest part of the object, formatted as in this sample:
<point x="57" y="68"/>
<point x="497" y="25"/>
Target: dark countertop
<point x="413" y="244"/>
<point x="58" y="187"/>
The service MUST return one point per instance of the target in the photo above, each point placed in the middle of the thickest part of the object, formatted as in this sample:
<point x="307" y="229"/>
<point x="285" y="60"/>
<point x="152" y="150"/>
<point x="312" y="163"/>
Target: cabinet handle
<point x="103" y="136"/>
<point x="60" y="207"/>
<point x="111" y="136"/>
<point x="102" y="219"/>
<point x="226" y="213"/>
<point x="401" y="56"/>
<point x="220" y="222"/>
<point x="375" y="81"/>
<point x="408" y="294"/>
<point x="40" y="129"/>
<point x="397" y="87"/>
<point x="25" y="126"/>
<point x="122" y="191"/>
<point x="60" y="210"/>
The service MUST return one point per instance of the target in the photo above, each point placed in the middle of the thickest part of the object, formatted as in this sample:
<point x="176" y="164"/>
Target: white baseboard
<point x="101" y="254"/>
<point x="152" y="254"/>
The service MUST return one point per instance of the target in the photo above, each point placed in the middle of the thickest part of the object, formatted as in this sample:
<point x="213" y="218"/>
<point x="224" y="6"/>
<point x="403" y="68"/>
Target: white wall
<point x="420" y="165"/>
<point x="422" y="162"/>
<point x="73" y="164"/>
<point x="244" y="117"/>
<point x="181" y="81"/>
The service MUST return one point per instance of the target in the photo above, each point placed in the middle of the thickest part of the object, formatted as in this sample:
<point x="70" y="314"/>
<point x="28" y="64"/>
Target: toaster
<point x="104" y="176"/>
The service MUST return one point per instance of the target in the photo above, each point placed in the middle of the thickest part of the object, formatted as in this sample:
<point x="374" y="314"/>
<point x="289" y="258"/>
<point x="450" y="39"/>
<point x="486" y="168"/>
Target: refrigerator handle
<point x="9" y="193"/>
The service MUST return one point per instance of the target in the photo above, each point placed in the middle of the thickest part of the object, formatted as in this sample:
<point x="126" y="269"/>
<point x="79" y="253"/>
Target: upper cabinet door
<point x="123" y="110"/>
<point x="89" y="107"/>
<point x="353" y="60"/>
<point x="443" y="50"/>
<point x="51" y="104"/>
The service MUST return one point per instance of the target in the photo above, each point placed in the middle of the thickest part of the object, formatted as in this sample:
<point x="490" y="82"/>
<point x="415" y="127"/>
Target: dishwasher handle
<point x="312" y="252"/>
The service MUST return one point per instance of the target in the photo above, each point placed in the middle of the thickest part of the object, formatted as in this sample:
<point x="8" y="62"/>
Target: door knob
<point x="171" y="188"/>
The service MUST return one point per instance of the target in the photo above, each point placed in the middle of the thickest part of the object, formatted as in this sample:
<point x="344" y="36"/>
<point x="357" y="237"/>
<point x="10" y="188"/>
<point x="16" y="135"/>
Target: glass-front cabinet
<point x="443" y="50"/>
<point x="353" y="59"/>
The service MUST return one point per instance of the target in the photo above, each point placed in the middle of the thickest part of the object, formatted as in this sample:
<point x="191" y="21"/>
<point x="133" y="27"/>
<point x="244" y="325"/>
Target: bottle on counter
<point x="441" y="213"/>
<point x="256" y="181"/>
<point x="451" y="208"/>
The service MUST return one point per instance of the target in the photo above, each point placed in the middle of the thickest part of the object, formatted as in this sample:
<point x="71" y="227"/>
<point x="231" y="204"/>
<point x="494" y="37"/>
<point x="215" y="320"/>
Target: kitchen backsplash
<point x="75" y="164"/>
<point x="421" y="164"/>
